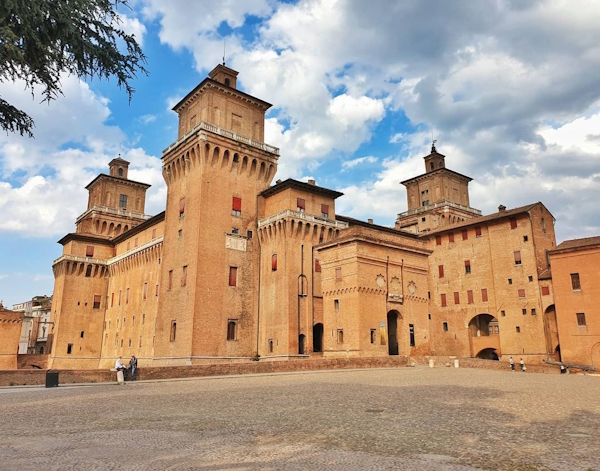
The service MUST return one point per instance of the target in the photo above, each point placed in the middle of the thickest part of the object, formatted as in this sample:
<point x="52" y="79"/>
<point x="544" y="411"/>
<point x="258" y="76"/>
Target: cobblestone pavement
<point x="407" y="418"/>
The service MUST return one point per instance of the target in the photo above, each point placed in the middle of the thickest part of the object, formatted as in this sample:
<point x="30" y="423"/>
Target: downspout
<point x="301" y="278"/>
<point x="259" y="271"/>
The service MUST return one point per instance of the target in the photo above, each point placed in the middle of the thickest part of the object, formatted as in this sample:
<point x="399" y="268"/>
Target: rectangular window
<point x="145" y="291"/>
<point x="123" y="201"/>
<point x="184" y="275"/>
<point x="470" y="296"/>
<point x="517" y="254"/>
<point x="445" y="326"/>
<point x="317" y="266"/>
<point x="467" y="266"/>
<point x="232" y="329"/>
<point x="502" y="313"/>
<point x="69" y="348"/>
<point x="338" y="273"/>
<point x="411" y="334"/>
<point x="97" y="298"/>
<point x="249" y="234"/>
<point x="545" y="290"/>
<point x="518" y="329"/>
<point x="513" y="223"/>
<point x="524" y="311"/>
<point x="274" y="262"/>
<point x="156" y="290"/>
<point x="336" y="304"/>
<point x="451" y="237"/>
<point x="465" y="234"/>
<point x="301" y="205"/>
<point x="182" y="207"/>
<point x="580" y="318"/>
<point x="89" y="251"/>
<point x="521" y="293"/>
<point x="325" y="211"/>
<point x="456" y="297"/>
<point x="441" y="271"/>
<point x="478" y="232"/>
<point x="81" y="334"/>
<point x="232" y="276"/>
<point x="112" y="299"/>
<point x="120" y="292"/>
<point x="530" y="278"/>
<point x="373" y="335"/>
<point x="533" y="311"/>
<point x="127" y="296"/>
<point x="173" y="331"/>
<point x="510" y="281"/>
<point x="443" y="299"/>
<point x="140" y="344"/>
<point x="170" y="279"/>
<point x="484" y="295"/>
<point x="575" y="283"/>
<point x="525" y="238"/>
<point x="236" y="206"/>
<point x="438" y="240"/>
<point x="88" y="271"/>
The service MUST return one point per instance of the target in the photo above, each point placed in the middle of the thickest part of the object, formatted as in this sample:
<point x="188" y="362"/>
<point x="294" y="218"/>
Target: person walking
<point x="132" y="367"/>
<point x="511" y="363"/>
<point x="522" y="365"/>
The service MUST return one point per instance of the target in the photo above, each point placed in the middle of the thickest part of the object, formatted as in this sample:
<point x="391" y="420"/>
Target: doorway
<point x="392" y="321"/>
<point x="318" y="337"/>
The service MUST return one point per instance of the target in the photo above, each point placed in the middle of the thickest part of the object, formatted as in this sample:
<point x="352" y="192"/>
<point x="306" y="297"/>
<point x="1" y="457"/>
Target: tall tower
<point x="214" y="171"/>
<point x="115" y="205"/>
<point x="437" y="198"/>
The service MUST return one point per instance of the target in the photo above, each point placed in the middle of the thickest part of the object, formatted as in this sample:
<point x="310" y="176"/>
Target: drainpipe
<point x="259" y="270"/>
<point x="301" y="280"/>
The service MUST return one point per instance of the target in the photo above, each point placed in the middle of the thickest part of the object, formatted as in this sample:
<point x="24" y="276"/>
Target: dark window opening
<point x="411" y="333"/>
<point x="581" y="318"/>
<point x="69" y="348"/>
<point x="373" y="335"/>
<point x="232" y="329"/>
<point x="173" y="331"/>
<point x="575" y="282"/>
<point x="467" y="266"/>
<point x="88" y="271"/>
<point x="97" y="299"/>
<point x="445" y="326"/>
<point x="123" y="201"/>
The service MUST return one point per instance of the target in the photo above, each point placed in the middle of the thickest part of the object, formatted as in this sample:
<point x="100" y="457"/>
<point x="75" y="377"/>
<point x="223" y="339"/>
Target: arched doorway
<point x="488" y="354"/>
<point x="318" y="337"/>
<point x="551" y="331"/>
<point x="484" y="335"/>
<point x="301" y="341"/>
<point x="392" y="324"/>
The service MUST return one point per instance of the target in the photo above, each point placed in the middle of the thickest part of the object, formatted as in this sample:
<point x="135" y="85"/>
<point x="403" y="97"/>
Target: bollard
<point x="456" y="363"/>
<point x="431" y="365"/>
<point x="120" y="377"/>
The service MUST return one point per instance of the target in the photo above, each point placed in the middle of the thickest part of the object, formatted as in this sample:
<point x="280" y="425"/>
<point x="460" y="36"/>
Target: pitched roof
<point x="575" y="244"/>
<point x="291" y="183"/>
<point x="119" y="179"/>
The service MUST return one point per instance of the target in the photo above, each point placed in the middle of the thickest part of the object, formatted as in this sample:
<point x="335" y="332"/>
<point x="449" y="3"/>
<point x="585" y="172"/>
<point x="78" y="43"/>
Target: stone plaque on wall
<point x="235" y="243"/>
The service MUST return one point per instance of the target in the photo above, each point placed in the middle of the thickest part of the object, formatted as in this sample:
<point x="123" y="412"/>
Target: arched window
<point x="431" y="165"/>
<point x="227" y="82"/>
<point x="120" y="172"/>
<point x="232" y="329"/>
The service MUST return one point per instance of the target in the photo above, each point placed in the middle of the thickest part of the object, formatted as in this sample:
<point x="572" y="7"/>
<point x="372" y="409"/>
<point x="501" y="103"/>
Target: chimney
<point x="370" y="221"/>
<point x="501" y="208"/>
<point x="312" y="182"/>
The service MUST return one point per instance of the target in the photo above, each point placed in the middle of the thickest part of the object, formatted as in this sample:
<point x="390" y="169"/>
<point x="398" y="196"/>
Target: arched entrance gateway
<point x="392" y="323"/>
<point x="551" y="332"/>
<point x="484" y="336"/>
<point x="318" y="337"/>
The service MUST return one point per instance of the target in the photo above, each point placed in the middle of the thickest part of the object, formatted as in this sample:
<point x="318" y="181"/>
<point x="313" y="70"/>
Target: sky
<point x="509" y="89"/>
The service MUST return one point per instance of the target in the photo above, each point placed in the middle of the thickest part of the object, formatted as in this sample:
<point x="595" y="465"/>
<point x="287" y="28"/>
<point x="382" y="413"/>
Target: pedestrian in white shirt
<point x="119" y="366"/>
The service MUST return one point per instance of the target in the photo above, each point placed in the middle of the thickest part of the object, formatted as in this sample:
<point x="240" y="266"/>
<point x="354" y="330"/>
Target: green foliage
<point x="41" y="39"/>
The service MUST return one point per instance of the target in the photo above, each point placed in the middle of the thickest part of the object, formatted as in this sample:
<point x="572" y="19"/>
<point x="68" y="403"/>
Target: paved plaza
<point x="405" y="418"/>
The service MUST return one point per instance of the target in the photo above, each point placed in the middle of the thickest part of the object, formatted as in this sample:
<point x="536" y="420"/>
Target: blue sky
<point x="509" y="90"/>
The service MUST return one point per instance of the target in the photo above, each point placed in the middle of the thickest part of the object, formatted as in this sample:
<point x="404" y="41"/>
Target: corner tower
<point x="437" y="198"/>
<point x="208" y="303"/>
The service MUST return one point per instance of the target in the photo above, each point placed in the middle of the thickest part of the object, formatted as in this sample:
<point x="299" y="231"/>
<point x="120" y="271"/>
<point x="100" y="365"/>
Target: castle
<point x="236" y="268"/>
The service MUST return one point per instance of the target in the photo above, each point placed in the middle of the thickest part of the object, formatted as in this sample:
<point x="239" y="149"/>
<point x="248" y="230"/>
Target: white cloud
<point x="133" y="26"/>
<point x="347" y="164"/>
<point x="147" y="118"/>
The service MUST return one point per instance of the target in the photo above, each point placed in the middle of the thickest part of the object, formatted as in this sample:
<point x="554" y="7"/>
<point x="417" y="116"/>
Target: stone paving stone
<point x="406" y="418"/>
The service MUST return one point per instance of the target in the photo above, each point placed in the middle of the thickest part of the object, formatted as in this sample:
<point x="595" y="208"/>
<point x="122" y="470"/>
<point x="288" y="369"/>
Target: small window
<point x="121" y="342"/>
<point x="127" y="296"/>
<point x="112" y="300"/>
<point x="530" y="278"/>
<point x="521" y="293"/>
<point x="517" y="254"/>
<point x="173" y="331"/>
<point x="518" y="329"/>
<point x="143" y="318"/>
<point x="575" y="282"/>
<point x="336" y="304"/>
<point x="274" y="262"/>
<point x="581" y="318"/>
<point x="503" y="313"/>
<point x="545" y="290"/>
<point x="325" y="211"/>
<point x="465" y="234"/>
<point x="135" y="242"/>
<point x="123" y="201"/>
<point x="184" y="275"/>
<point x="445" y="326"/>
<point x="317" y="266"/>
<point x="441" y="271"/>
<point x="425" y="203"/>
<point x="451" y="237"/>
<point x="89" y="251"/>
<point x="81" y="334"/>
<point x="69" y="348"/>
<point x="510" y="281"/>
<point x="525" y="238"/>
<point x="373" y="335"/>
<point x="145" y="291"/>
<point x="120" y="293"/>
<point x="429" y="316"/>
<point x="422" y="219"/>
<point x="156" y="291"/>
<point x="338" y="273"/>
<point x="249" y="234"/>
<point x="180" y="233"/>
<point x="182" y="207"/>
<point x="235" y="230"/>
<point x="470" y="296"/>
<point x="88" y="271"/>
<point x="524" y="311"/>
<point x="140" y="343"/>
<point x="438" y="240"/>
<point x="411" y="334"/>
<point x="154" y="233"/>
<point x="227" y="82"/>
<point x="443" y="299"/>
<point x="484" y="295"/>
<point x="236" y="158"/>
<point x="236" y="206"/>
<point x="232" y="276"/>
<point x="513" y="223"/>
<point x="301" y="204"/>
<point x="533" y="311"/>
<point x="170" y="279"/>
<point x="97" y="299"/>
<point x="478" y="232"/>
<point x="232" y="329"/>
<point x="270" y="345"/>
<point x="467" y="266"/>
<point x="456" y="297"/>
<point x="120" y="172"/>
<point x="340" y="336"/>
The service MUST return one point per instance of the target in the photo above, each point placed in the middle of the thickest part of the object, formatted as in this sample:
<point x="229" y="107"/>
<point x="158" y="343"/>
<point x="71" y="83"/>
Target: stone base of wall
<point x="36" y="362"/>
<point x="38" y="377"/>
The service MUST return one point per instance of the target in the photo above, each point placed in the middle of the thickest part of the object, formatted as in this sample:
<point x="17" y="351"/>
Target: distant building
<point x="235" y="267"/>
<point x="10" y="330"/>
<point x="36" y="325"/>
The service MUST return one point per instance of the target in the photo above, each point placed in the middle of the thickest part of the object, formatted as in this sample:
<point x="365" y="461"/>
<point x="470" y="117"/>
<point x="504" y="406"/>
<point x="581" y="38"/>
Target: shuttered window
<point x="513" y="223"/>
<point x="301" y="204"/>
<point x="478" y="232"/>
<point x="484" y="296"/>
<point x="443" y="299"/>
<point x="236" y="206"/>
<point x="517" y="257"/>
<point x="451" y="237"/>
<point x="89" y="251"/>
<point x="438" y="240"/>
<point x="317" y="266"/>
<point x="325" y="210"/>
<point x="467" y="266"/>
<point x="465" y="234"/>
<point x="441" y="271"/>
<point x="274" y="262"/>
<point x="97" y="298"/>
<point x="456" y="297"/>
<point x="470" y="296"/>
<point x="545" y="290"/>
<point x="181" y="207"/>
<point x="232" y="276"/>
